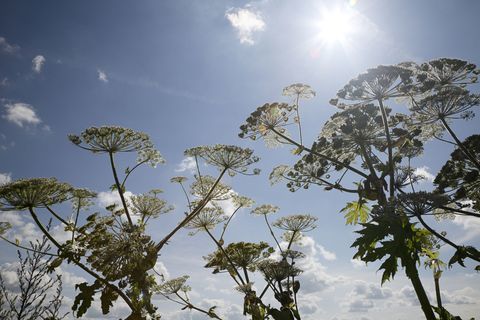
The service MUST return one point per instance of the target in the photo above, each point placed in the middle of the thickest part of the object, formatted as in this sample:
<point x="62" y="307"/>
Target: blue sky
<point x="188" y="73"/>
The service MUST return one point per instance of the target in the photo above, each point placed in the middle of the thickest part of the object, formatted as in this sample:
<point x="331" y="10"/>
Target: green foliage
<point x="107" y="298"/>
<point x="356" y="211"/>
<point x="83" y="300"/>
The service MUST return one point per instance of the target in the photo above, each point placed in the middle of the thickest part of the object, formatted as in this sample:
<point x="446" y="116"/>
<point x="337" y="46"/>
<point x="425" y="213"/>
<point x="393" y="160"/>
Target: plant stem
<point x="273" y="235"/>
<point x="192" y="215"/>
<point x="390" y="152"/>
<point x="56" y="215"/>
<point x="226" y="257"/>
<point x="460" y="144"/>
<point x="412" y="273"/>
<point x="228" y="221"/>
<point x="120" y="189"/>
<point x="426" y="226"/>
<point x="298" y="117"/>
<point x="28" y="249"/>
<point x="360" y="173"/>
<point x="80" y="264"/>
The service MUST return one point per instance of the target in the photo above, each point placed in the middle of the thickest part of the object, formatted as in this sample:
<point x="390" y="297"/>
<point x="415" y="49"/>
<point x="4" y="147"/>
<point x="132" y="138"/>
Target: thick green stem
<point x="391" y="171"/>
<point x="120" y="189"/>
<point x="412" y="273"/>
<point x="460" y="144"/>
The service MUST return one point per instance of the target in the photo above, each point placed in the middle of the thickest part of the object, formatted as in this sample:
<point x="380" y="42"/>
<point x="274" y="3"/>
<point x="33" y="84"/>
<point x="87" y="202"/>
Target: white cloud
<point x="371" y="290"/>
<point x="7" y="47"/>
<point x="246" y="22"/>
<point x="5" y="178"/>
<point x="459" y="297"/>
<point x="22" y="228"/>
<point x="360" y="305"/>
<point x="423" y="172"/>
<point x="187" y="164"/>
<point x="357" y="263"/>
<point x="471" y="226"/>
<point x="37" y="63"/>
<point x="107" y="198"/>
<point x="21" y="114"/>
<point x="102" y="76"/>
<point x="314" y="277"/>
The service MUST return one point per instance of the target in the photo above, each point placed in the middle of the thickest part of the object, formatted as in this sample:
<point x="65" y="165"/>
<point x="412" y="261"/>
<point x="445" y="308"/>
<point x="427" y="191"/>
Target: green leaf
<point x="356" y="211"/>
<point x="83" y="300"/>
<point x="390" y="266"/>
<point x="107" y="298"/>
<point x="55" y="264"/>
<point x="281" y="315"/>
<point x="4" y="226"/>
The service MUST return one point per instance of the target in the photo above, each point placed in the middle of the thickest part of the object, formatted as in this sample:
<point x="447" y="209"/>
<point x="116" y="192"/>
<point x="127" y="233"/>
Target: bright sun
<point x="335" y="26"/>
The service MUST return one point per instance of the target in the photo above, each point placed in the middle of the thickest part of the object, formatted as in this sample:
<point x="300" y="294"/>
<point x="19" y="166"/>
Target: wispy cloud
<point x="246" y="22"/>
<point x="102" y="76"/>
<point x="37" y="63"/>
<point x="7" y="47"/>
<point x="21" y="114"/>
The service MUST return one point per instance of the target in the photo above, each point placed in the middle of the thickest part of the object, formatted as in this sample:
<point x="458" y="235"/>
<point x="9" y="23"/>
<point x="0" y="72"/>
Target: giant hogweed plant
<point x="243" y="261"/>
<point x="113" y="246"/>
<point x="368" y="142"/>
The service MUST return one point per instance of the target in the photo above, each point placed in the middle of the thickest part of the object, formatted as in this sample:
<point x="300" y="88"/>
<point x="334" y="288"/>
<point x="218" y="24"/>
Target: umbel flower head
<point x="172" y="286"/>
<point x="147" y="205"/>
<point x="242" y="254"/>
<point x="263" y="122"/>
<point x="443" y="72"/>
<point x="242" y="201"/>
<point x="202" y="186"/>
<point x="178" y="179"/>
<point x="35" y="192"/>
<point x="208" y="218"/>
<point x="82" y="198"/>
<point x="113" y="139"/>
<point x="265" y="209"/>
<point x="278" y="270"/>
<point x="447" y="103"/>
<point x="232" y="158"/>
<point x="300" y="90"/>
<point x="296" y="223"/>
<point x="378" y="83"/>
<point x="422" y="202"/>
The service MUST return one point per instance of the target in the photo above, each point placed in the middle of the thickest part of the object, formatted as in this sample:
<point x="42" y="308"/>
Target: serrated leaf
<point x="356" y="211"/>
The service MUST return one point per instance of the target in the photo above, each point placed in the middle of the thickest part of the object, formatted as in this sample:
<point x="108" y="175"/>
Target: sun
<point x="335" y="26"/>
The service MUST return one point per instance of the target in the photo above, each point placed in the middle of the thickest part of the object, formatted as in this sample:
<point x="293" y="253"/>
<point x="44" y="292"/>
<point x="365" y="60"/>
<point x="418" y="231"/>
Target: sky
<point x="189" y="73"/>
